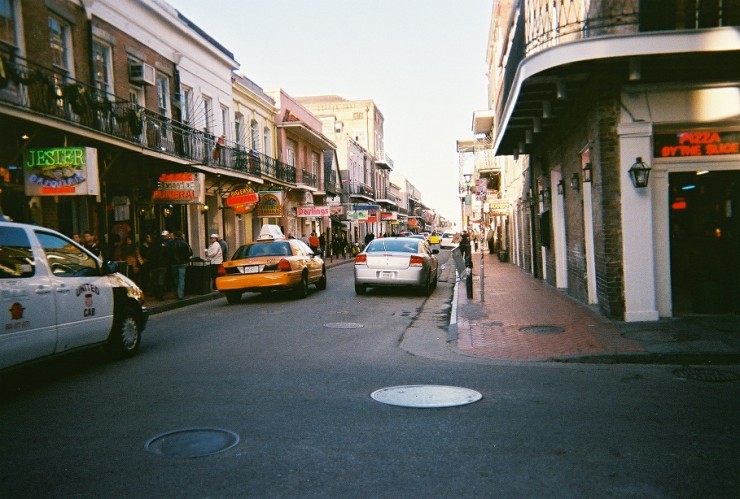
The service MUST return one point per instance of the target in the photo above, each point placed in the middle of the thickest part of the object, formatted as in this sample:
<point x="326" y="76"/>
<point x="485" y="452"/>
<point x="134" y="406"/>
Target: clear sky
<point x="423" y="63"/>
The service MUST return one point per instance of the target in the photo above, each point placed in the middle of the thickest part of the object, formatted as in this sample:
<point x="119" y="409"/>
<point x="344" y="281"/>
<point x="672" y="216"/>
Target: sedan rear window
<point x="278" y="248"/>
<point x="390" y="244"/>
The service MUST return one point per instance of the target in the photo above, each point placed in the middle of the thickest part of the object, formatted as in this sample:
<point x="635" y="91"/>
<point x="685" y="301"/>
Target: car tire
<point x="360" y="289"/>
<point x="426" y="289"/>
<point x="321" y="283"/>
<point x="125" y="335"/>
<point x="301" y="290"/>
<point x="233" y="297"/>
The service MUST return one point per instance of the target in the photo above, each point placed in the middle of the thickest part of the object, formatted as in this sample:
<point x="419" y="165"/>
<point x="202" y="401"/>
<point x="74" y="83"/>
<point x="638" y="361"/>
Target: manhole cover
<point x="706" y="374"/>
<point x="426" y="396"/>
<point x="342" y="325"/>
<point x="192" y="442"/>
<point x="542" y="329"/>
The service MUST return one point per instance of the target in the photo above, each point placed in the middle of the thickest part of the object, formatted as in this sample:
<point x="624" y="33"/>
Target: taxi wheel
<point x="301" y="291"/>
<point x="321" y="283"/>
<point x="125" y="336"/>
<point x="233" y="297"/>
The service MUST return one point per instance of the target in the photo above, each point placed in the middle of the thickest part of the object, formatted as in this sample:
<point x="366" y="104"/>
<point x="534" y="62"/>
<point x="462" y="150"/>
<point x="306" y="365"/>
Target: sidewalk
<point x="525" y="319"/>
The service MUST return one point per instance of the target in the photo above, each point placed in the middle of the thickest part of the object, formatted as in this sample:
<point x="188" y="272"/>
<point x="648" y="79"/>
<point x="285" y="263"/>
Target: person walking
<point x="178" y="255"/>
<point x="322" y="243"/>
<point x="313" y="243"/>
<point x="215" y="254"/>
<point x="91" y="244"/>
<point x="158" y="266"/>
<point x="224" y="248"/>
<point x="465" y="249"/>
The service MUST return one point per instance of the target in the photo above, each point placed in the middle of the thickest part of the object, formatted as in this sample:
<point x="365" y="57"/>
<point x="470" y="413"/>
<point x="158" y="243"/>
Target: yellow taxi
<point x="435" y="238"/>
<point x="271" y="263"/>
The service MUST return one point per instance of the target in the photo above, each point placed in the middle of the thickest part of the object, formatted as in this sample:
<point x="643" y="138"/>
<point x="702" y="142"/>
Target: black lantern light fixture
<point x="575" y="182"/>
<point x="640" y="173"/>
<point x="587" y="171"/>
<point x="561" y="187"/>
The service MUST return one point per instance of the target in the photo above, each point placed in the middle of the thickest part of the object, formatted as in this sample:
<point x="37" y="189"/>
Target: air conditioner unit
<point x="140" y="73"/>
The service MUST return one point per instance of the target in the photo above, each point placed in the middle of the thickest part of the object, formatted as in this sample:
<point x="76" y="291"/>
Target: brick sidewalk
<point x="523" y="318"/>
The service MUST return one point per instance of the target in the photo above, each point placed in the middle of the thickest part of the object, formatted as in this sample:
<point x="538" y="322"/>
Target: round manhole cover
<point x="426" y="396"/>
<point x="342" y="325"/>
<point x="192" y="442"/>
<point x="542" y="329"/>
<point x="706" y="374"/>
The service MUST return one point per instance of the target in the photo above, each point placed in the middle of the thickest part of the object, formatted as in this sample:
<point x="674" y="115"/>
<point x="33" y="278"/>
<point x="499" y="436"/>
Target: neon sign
<point x="696" y="143"/>
<point x="61" y="171"/>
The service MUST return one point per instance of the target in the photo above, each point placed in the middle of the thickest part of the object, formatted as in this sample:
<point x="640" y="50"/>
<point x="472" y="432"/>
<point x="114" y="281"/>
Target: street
<point x="292" y="379"/>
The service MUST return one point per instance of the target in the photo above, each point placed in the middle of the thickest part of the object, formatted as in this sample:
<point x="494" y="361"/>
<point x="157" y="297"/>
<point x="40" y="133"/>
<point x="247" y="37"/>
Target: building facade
<point x="620" y="122"/>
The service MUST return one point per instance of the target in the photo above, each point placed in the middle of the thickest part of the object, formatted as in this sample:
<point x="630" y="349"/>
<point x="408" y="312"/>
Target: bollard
<point x="469" y="285"/>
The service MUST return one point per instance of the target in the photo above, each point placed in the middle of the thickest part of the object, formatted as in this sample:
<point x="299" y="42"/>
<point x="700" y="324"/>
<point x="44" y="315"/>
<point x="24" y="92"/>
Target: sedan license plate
<point x="250" y="269"/>
<point x="387" y="275"/>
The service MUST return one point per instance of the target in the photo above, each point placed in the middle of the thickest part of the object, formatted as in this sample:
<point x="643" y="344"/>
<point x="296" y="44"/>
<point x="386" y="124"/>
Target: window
<point x="186" y="96"/>
<point x="266" y="140"/>
<point x="7" y="22"/>
<point x="16" y="257"/>
<point x="290" y="153"/>
<point x="65" y="259"/>
<point x="255" y="134"/>
<point x="314" y="163"/>
<point x="224" y="121"/>
<point x="163" y="95"/>
<point x="102" y="68"/>
<point x="60" y="43"/>
<point x="207" y="113"/>
<point x="239" y="129"/>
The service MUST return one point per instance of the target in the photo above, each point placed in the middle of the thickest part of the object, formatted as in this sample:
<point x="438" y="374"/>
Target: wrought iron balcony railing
<point x="309" y="178"/>
<point x="52" y="93"/>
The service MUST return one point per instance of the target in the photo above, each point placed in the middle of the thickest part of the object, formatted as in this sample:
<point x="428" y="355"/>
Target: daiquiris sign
<point x="61" y="171"/>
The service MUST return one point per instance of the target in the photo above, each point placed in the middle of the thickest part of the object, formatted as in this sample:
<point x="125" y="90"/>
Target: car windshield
<point x="276" y="248"/>
<point x="391" y="244"/>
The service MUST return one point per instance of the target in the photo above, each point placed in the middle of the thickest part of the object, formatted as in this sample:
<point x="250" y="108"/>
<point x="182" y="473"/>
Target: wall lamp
<point x="561" y="187"/>
<point x="587" y="171"/>
<point x="575" y="182"/>
<point x="640" y="173"/>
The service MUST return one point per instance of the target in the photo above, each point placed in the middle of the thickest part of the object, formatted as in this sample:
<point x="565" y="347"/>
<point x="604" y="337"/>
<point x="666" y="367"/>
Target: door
<point x="705" y="242"/>
<point x="27" y="329"/>
<point x="83" y="296"/>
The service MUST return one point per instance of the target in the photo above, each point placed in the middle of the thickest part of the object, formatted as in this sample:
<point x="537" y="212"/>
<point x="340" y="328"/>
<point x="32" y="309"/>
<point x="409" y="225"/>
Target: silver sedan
<point x="397" y="261"/>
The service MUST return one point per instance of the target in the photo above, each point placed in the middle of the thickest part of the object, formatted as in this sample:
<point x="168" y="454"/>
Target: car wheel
<point x="125" y="336"/>
<point x="233" y="297"/>
<point x="321" y="283"/>
<point x="360" y="289"/>
<point x="301" y="291"/>
<point x="426" y="289"/>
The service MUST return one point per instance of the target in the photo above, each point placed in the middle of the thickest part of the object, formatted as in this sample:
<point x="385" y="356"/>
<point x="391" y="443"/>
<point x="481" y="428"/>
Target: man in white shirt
<point x="215" y="255"/>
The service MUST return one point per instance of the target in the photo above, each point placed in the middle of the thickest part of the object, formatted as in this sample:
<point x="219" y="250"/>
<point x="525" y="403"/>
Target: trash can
<point x="198" y="277"/>
<point x="503" y="255"/>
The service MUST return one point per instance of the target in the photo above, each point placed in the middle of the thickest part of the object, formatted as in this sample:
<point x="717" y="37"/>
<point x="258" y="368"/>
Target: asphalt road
<point x="292" y="380"/>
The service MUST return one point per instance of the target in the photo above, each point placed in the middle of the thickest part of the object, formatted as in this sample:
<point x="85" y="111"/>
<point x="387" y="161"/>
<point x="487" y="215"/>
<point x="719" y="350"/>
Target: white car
<point x="447" y="238"/>
<point x="56" y="297"/>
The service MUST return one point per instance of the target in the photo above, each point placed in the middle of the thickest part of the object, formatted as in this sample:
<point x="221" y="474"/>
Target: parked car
<point x="56" y="297"/>
<point x="271" y="263"/>
<point x="448" y="238"/>
<point x="397" y="261"/>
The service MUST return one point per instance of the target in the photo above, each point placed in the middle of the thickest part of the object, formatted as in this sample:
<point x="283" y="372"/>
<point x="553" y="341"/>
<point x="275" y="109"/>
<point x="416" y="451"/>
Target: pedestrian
<point x="490" y="240"/>
<point x="91" y="244"/>
<point x="215" y="254"/>
<point x="322" y="244"/>
<point x="343" y="245"/>
<point x="76" y="238"/>
<point x="178" y="255"/>
<point x="158" y="266"/>
<point x="130" y="254"/>
<point x="224" y="248"/>
<point x="145" y="251"/>
<point x="465" y="249"/>
<point x="313" y="243"/>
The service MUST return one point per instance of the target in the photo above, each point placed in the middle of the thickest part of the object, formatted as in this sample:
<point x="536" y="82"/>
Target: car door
<point x="82" y="294"/>
<point x="28" y="329"/>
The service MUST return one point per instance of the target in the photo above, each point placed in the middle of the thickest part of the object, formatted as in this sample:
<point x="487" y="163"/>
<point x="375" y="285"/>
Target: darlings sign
<point x="312" y="211"/>
<point x="61" y="171"/>
<point x="696" y="143"/>
<point x="180" y="188"/>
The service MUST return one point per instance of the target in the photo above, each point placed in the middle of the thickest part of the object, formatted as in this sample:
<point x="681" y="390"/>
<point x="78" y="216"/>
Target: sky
<point x="423" y="63"/>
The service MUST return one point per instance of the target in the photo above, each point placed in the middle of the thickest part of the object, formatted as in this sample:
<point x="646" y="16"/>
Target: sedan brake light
<point x="221" y="270"/>
<point x="416" y="261"/>
<point x="283" y="265"/>
<point x="361" y="259"/>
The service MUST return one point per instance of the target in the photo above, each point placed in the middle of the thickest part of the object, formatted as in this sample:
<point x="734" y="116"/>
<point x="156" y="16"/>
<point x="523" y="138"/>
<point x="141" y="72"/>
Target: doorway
<point x="705" y="242"/>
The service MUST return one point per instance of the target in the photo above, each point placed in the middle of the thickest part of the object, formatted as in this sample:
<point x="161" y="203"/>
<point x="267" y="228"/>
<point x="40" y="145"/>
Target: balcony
<point x="558" y="50"/>
<point x="383" y="161"/>
<point x="308" y="179"/>
<point x="35" y="93"/>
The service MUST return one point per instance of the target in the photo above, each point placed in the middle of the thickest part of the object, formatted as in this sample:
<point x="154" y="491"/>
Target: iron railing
<point x="52" y="93"/>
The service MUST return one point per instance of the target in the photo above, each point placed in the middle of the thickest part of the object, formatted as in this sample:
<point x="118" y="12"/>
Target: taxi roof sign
<point x="270" y="232"/>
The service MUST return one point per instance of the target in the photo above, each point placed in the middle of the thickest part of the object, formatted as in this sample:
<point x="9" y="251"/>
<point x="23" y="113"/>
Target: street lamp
<point x="639" y="173"/>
